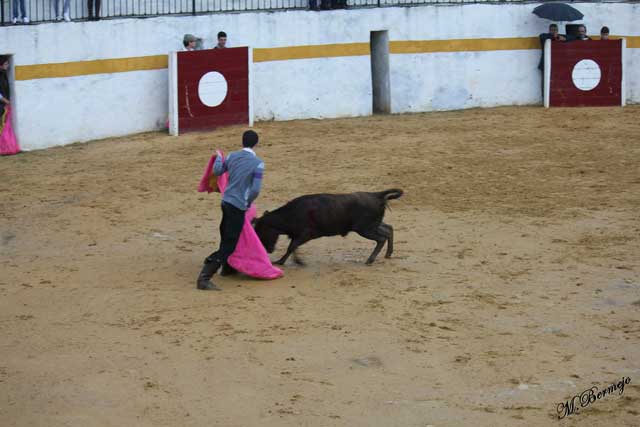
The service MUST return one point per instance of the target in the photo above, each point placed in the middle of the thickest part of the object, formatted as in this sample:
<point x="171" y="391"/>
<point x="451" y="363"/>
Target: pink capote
<point x="8" y="141"/>
<point x="250" y="257"/>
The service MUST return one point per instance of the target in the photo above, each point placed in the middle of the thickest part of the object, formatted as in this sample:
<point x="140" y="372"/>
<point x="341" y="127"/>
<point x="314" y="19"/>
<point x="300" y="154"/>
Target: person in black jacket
<point x="582" y="34"/>
<point x="551" y="35"/>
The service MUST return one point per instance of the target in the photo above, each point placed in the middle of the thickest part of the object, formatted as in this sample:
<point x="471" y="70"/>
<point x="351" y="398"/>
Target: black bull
<point x="318" y="215"/>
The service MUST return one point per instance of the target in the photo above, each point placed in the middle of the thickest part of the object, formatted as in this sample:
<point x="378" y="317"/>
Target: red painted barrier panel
<point x="212" y="88"/>
<point x="586" y="73"/>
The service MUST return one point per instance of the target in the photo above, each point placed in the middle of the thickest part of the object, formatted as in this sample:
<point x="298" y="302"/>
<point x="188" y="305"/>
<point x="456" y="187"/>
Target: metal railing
<point x="45" y="10"/>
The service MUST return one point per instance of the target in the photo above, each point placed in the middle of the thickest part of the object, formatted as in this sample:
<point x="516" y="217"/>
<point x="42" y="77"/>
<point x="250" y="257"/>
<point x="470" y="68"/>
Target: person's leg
<point x="16" y="13"/>
<point x="230" y="230"/>
<point x="227" y="270"/>
<point x="56" y="8"/>
<point x="97" y="10"/>
<point x="90" y="9"/>
<point x="231" y="233"/>
<point x="66" y="10"/>
<point x="23" y="9"/>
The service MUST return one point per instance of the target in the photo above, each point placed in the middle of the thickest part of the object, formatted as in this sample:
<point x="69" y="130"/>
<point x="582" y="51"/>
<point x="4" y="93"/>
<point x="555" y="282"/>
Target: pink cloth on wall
<point x="8" y="141"/>
<point x="250" y="257"/>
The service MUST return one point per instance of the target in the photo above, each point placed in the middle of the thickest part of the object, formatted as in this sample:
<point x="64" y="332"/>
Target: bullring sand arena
<point x="515" y="282"/>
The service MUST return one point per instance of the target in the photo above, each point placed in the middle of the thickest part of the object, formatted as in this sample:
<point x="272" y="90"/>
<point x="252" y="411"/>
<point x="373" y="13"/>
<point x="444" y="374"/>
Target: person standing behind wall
<point x="604" y="33"/>
<point x="8" y="142"/>
<point x="190" y="42"/>
<point x="222" y="40"/>
<point x="551" y="35"/>
<point x="582" y="34"/>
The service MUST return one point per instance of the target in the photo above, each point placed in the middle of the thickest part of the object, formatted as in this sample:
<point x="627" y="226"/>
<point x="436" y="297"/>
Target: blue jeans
<point x="22" y="7"/>
<point x="65" y="6"/>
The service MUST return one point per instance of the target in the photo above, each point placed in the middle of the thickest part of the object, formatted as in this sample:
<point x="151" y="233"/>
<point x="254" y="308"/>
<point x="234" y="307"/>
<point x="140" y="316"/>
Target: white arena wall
<point x="52" y="110"/>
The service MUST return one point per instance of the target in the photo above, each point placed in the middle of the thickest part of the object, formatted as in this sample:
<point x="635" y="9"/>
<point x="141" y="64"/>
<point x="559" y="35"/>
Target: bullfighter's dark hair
<point x="249" y="139"/>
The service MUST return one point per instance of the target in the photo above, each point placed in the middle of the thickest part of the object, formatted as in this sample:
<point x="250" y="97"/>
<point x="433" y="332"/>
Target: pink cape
<point x="250" y="257"/>
<point x="8" y="141"/>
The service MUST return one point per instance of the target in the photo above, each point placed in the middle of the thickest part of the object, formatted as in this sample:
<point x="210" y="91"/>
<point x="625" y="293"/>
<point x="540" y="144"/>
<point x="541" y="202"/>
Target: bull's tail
<point x="394" y="193"/>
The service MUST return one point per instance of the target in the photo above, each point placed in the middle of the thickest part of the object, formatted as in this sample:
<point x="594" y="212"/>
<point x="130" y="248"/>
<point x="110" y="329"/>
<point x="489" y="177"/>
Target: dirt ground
<point x="515" y="282"/>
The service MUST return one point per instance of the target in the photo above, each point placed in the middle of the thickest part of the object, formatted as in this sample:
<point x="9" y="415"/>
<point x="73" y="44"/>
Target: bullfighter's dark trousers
<point x="230" y="230"/>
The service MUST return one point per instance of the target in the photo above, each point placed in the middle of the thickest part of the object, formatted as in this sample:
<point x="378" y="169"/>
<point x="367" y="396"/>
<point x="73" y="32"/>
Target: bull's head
<point x="267" y="234"/>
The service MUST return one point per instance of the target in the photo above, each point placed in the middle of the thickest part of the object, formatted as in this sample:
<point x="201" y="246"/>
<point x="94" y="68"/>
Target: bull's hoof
<point x="279" y="262"/>
<point x="369" y="262"/>
<point x="299" y="262"/>
<point x="387" y="256"/>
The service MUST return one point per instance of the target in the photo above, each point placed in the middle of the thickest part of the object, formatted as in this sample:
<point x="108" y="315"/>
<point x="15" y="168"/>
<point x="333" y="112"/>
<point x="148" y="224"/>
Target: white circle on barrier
<point x="586" y="74"/>
<point x="212" y="89"/>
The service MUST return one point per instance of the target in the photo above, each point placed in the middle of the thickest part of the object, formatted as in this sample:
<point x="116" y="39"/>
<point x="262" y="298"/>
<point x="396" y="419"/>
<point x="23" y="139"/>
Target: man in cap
<point x="245" y="170"/>
<point x="190" y="42"/>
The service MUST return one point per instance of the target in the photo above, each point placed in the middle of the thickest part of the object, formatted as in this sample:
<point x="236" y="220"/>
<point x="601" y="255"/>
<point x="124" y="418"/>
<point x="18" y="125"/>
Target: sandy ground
<point x="515" y="283"/>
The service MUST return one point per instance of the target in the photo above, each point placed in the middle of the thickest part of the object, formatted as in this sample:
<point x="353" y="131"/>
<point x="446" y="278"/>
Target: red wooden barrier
<point x="209" y="89"/>
<point x="584" y="73"/>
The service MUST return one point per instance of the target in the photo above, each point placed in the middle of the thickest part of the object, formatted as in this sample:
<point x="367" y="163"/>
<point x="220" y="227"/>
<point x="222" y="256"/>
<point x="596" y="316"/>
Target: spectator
<point x="190" y="42"/>
<point x="582" y="33"/>
<point x="23" y="9"/>
<point x="222" y="40"/>
<point x="327" y="4"/>
<point x="65" y="10"/>
<point x="8" y="142"/>
<point x="604" y="33"/>
<point x="551" y="35"/>
<point x="90" y="7"/>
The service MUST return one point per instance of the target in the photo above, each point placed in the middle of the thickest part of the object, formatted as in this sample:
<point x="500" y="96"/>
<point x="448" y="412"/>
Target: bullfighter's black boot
<point x="208" y="270"/>
<point x="227" y="270"/>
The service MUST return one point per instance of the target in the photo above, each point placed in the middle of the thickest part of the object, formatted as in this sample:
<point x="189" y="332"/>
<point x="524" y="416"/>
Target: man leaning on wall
<point x="552" y="35"/>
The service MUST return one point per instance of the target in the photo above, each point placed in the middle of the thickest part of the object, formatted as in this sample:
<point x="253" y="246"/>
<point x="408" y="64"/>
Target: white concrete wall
<point x="312" y="88"/>
<point x="63" y="110"/>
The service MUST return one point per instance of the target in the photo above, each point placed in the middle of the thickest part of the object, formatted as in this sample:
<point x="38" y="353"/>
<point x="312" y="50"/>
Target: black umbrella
<point x="558" y="12"/>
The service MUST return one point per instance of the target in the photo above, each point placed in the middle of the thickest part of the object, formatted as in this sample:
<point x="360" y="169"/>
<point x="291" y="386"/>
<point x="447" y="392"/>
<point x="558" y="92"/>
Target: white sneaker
<point x="58" y="18"/>
<point x="67" y="18"/>
<point x="25" y="20"/>
<point x="14" y="21"/>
